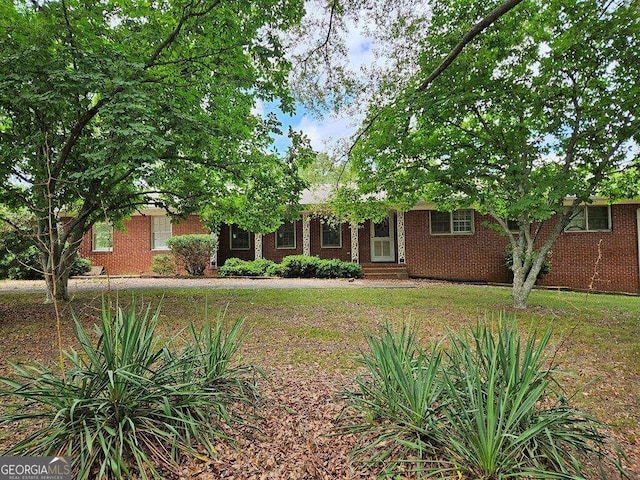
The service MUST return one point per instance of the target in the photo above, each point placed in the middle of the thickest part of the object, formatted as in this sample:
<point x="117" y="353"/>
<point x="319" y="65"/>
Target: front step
<point x="381" y="271"/>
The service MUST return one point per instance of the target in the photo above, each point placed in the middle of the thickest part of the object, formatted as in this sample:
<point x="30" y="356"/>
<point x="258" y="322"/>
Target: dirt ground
<point x="299" y="417"/>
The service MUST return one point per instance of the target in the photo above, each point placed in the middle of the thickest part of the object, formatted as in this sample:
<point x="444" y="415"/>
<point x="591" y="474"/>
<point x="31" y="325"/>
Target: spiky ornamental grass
<point x="129" y="405"/>
<point x="491" y="409"/>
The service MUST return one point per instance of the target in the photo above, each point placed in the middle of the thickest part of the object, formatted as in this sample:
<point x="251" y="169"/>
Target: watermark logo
<point x="35" y="468"/>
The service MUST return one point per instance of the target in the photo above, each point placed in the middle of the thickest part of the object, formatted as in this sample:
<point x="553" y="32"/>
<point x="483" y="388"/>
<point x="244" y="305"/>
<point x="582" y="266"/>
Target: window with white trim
<point x="450" y="223"/>
<point x="239" y="238"/>
<point x="591" y="219"/>
<point x="330" y="236"/>
<point x="286" y="235"/>
<point x="161" y="231"/>
<point x="102" y="237"/>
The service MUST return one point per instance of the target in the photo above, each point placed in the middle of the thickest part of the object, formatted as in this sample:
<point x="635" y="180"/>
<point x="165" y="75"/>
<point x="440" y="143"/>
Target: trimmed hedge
<point x="234" y="267"/>
<point x="293" y="266"/>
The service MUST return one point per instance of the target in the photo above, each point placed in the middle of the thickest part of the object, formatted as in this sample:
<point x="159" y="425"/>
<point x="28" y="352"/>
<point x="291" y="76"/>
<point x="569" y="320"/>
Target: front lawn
<point x="307" y="340"/>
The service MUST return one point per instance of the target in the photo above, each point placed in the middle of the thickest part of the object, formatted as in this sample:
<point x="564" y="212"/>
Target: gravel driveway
<point x="132" y="283"/>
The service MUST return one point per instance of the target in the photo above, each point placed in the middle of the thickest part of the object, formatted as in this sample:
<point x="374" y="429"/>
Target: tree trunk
<point x="525" y="276"/>
<point x="57" y="269"/>
<point x="57" y="288"/>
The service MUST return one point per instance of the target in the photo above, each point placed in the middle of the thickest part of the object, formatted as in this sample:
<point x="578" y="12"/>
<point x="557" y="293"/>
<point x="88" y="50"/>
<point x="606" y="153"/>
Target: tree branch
<point x="478" y="28"/>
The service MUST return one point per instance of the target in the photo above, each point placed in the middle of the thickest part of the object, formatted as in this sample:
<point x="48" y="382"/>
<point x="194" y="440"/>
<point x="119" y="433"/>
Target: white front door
<point x="382" y="246"/>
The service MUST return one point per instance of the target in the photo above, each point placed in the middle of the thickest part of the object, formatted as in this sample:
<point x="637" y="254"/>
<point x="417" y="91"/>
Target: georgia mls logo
<point x="35" y="468"/>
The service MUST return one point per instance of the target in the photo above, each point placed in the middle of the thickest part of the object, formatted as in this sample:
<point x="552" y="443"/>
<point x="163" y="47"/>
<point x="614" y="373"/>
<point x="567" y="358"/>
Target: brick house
<point x="599" y="250"/>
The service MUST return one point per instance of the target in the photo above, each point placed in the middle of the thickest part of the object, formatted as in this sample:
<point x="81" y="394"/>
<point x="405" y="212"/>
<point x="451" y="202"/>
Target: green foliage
<point x="292" y="266"/>
<point x="129" y="404"/>
<point x="487" y="407"/>
<point x="299" y="266"/>
<point x="541" y="107"/>
<point x="333" y="268"/>
<point x="80" y="266"/>
<point x="23" y="261"/>
<point x="193" y="251"/>
<point x="399" y="403"/>
<point x="163" y="264"/>
<point x="234" y="267"/>
<point x="106" y="107"/>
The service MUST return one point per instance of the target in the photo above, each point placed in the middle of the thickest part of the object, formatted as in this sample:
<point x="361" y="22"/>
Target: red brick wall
<point x="270" y="251"/>
<point x="602" y="261"/>
<point x="132" y="252"/>
<point x="477" y="257"/>
<point x="574" y="259"/>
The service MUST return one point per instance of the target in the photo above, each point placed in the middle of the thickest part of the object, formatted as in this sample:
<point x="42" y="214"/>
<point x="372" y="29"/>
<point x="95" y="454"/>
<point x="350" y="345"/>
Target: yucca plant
<point x="127" y="406"/>
<point x="397" y="406"/>
<point x="488" y="407"/>
<point x="506" y="416"/>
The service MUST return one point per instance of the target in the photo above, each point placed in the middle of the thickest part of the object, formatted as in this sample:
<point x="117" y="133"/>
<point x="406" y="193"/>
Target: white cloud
<point x="258" y="108"/>
<point x="328" y="133"/>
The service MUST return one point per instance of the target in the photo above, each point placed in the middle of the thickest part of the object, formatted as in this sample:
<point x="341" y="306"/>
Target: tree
<point x="540" y="109"/>
<point x="109" y="106"/>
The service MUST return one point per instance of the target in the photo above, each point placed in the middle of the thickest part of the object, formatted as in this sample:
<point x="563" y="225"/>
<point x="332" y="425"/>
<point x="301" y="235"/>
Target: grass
<point x="598" y="336"/>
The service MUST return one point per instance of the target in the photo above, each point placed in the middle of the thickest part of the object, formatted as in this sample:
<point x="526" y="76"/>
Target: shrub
<point x="299" y="266"/>
<point x="486" y="408"/>
<point x="80" y="265"/>
<point x="129" y="404"/>
<point x="193" y="251"/>
<point x="338" y="269"/>
<point x="234" y="267"/>
<point x="163" y="265"/>
<point x="22" y="262"/>
<point x="291" y="267"/>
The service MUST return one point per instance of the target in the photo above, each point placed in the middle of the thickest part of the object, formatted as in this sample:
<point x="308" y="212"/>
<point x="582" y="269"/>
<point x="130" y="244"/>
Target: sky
<point x="324" y="132"/>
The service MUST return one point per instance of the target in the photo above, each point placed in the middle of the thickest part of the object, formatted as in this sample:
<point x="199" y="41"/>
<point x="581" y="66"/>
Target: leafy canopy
<point x="542" y="106"/>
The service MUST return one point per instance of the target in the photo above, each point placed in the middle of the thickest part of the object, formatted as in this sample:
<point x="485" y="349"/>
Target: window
<point x="102" y="237"/>
<point x="458" y="222"/>
<point x="286" y="235"/>
<point x="239" y="238"/>
<point x="330" y="236"/>
<point x="589" y="219"/>
<point x="160" y="232"/>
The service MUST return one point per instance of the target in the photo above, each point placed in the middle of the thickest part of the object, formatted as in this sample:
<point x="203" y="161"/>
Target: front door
<point x="382" y="246"/>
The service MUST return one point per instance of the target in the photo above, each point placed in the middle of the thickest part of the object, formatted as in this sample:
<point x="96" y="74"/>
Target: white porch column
<point x="214" y="255"/>
<point x="401" y="241"/>
<point x="355" y="245"/>
<point x="306" y="234"/>
<point x="257" y="243"/>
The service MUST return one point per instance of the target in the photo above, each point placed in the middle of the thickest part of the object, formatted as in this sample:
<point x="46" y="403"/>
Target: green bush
<point x="163" y="265"/>
<point x="234" y="267"/>
<point x="129" y="404"/>
<point x="80" y="265"/>
<point x="293" y="266"/>
<point x="193" y="251"/>
<point x="487" y="407"/>
<point x="22" y="262"/>
<point x="338" y="269"/>
<point x="299" y="266"/>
